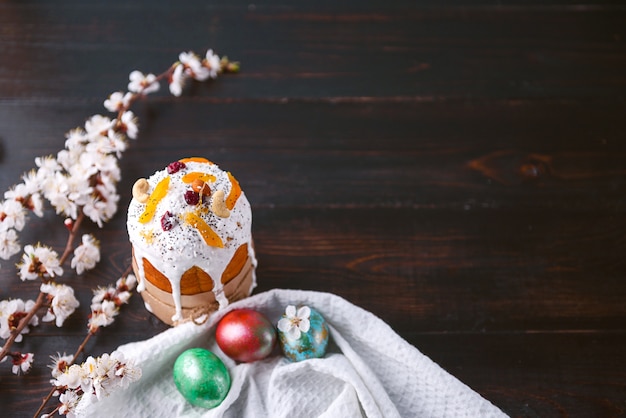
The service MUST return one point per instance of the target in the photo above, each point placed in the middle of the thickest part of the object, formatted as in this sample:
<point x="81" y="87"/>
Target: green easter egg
<point x="201" y="377"/>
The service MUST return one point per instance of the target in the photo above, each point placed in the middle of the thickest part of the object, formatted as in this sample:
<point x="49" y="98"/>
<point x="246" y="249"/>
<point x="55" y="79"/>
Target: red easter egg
<point x="245" y="335"/>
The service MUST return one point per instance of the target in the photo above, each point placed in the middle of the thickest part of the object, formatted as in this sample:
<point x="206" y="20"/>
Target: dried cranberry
<point x="175" y="167"/>
<point x="191" y="197"/>
<point x="167" y="221"/>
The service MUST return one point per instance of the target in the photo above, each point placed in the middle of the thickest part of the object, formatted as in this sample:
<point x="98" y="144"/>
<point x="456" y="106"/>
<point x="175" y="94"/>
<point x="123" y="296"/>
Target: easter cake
<point x="190" y="229"/>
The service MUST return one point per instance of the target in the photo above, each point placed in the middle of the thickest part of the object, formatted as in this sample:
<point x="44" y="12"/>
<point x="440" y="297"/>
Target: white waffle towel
<point x="368" y="371"/>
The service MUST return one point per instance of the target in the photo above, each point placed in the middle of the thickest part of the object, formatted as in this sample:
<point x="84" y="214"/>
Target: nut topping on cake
<point x="218" y="205"/>
<point x="140" y="190"/>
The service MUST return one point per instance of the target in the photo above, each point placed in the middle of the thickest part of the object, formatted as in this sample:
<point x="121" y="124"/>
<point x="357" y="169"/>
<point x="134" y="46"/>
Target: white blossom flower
<point x="76" y="138"/>
<point x="94" y="210"/>
<point x="177" y="81"/>
<point x="71" y="378"/>
<point x="123" y="297"/>
<point x="128" y="124"/>
<point x="98" y="377"/>
<point x="103" y="378"/>
<point x="22" y="191"/>
<point x="97" y="126"/>
<point x="118" y="101"/>
<point x="35" y="204"/>
<point x="9" y="245"/>
<point x="89" y="368"/>
<point x="63" y="302"/>
<point x="113" y="372"/>
<point x="104" y="315"/>
<point x="126" y="371"/>
<point x="16" y="192"/>
<point x="128" y="283"/>
<point x="22" y="362"/>
<point x="115" y="296"/>
<point x="193" y="66"/>
<point x="39" y="261"/>
<point x="97" y="148"/>
<point x="212" y="63"/>
<point x="57" y="190"/>
<point x="69" y="401"/>
<point x="101" y="207"/>
<point x="144" y="84"/>
<point x="101" y="162"/>
<point x="27" y="193"/>
<point x="117" y="143"/>
<point x="47" y="166"/>
<point x="60" y="363"/>
<point x="294" y="323"/>
<point x="11" y="313"/>
<point x="86" y="255"/>
<point x="78" y="186"/>
<point x="69" y="158"/>
<point x="100" y="294"/>
<point x="30" y="182"/>
<point x="12" y="214"/>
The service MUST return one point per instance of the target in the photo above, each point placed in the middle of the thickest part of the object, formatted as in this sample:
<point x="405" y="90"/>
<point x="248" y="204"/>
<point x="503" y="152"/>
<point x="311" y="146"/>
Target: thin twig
<point x="70" y="239"/>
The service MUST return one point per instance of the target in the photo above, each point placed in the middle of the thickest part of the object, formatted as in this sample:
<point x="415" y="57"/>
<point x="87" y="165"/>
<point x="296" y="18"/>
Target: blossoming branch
<point x="80" y="183"/>
<point x="76" y="385"/>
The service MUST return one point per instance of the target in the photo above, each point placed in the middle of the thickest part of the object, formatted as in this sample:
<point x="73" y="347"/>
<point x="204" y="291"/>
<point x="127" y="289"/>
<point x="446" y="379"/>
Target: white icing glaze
<point x="252" y="256"/>
<point x="175" y="251"/>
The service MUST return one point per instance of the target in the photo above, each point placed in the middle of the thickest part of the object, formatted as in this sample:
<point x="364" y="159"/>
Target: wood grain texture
<point x="457" y="169"/>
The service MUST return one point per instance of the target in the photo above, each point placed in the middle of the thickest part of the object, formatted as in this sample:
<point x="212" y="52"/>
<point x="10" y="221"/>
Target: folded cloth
<point x="368" y="371"/>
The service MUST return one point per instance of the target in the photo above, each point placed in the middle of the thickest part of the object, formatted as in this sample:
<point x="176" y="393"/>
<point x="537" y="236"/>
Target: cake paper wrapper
<point x="368" y="371"/>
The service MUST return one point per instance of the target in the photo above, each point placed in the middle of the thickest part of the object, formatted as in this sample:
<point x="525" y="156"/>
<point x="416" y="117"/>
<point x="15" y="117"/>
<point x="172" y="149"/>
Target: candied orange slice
<point x="209" y="236"/>
<point x="235" y="192"/>
<point x="157" y="194"/>
<point x="195" y="160"/>
<point x="205" y="177"/>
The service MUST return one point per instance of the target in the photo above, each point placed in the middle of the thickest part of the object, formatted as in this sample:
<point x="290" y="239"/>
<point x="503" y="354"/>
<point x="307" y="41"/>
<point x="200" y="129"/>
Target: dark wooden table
<point x="457" y="168"/>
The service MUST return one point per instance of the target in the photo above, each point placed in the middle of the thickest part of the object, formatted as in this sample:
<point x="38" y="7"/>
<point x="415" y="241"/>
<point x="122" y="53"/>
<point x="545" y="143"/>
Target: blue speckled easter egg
<point x="311" y="344"/>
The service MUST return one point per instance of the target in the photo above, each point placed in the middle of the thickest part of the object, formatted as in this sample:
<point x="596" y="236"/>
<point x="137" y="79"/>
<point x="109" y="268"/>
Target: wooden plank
<point x="538" y="375"/>
<point x="443" y="271"/>
<point x="559" y="156"/>
<point x="440" y="54"/>
<point x="479" y="271"/>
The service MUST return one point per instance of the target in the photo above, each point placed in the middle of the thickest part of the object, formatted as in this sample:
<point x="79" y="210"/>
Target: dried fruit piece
<point x="167" y="221"/>
<point x="191" y="197"/>
<point x="205" y="177"/>
<point x="157" y="194"/>
<point x="175" y="167"/>
<point x="195" y="160"/>
<point x="140" y="190"/>
<point x="218" y="206"/>
<point x="208" y="235"/>
<point x="235" y="192"/>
